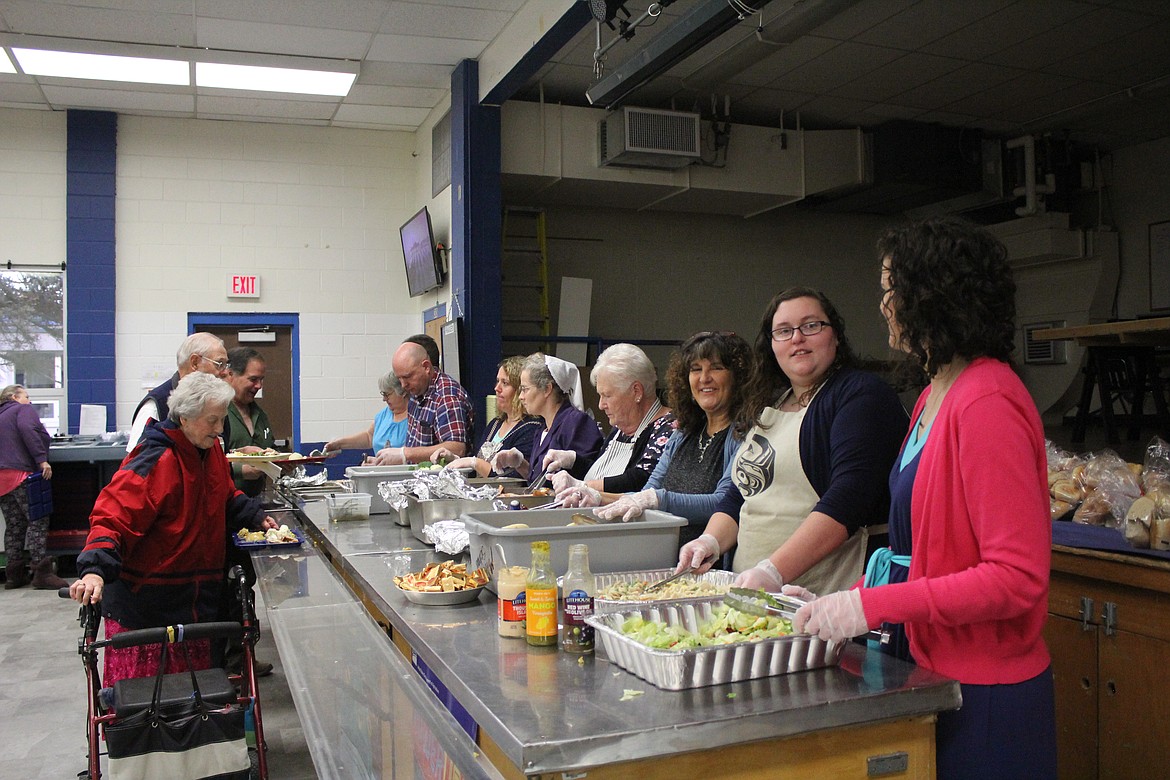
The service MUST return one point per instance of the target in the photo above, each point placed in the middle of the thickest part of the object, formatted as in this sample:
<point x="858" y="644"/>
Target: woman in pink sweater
<point x="970" y="535"/>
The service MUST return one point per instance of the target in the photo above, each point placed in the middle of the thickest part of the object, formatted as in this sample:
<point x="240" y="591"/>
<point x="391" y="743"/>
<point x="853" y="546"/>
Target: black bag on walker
<point x="194" y="741"/>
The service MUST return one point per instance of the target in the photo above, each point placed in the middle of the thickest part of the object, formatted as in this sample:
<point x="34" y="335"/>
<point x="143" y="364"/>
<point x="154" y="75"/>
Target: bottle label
<point x="511" y="610"/>
<point x="578" y="606"/>
<point x="541" y="612"/>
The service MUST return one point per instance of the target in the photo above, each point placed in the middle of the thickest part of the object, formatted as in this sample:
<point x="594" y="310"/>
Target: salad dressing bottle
<point x="579" y="586"/>
<point x="540" y="596"/>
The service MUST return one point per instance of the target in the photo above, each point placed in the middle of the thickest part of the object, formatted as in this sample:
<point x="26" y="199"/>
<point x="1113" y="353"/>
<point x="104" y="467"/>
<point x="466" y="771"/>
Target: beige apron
<point x="778" y="498"/>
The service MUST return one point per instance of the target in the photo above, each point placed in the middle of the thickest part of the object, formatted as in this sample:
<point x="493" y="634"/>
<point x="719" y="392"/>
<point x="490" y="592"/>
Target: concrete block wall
<point x="313" y="211"/>
<point x="32" y="187"/>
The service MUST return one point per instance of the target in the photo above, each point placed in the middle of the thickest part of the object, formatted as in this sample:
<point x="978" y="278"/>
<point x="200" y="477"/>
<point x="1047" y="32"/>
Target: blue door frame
<point x="197" y="320"/>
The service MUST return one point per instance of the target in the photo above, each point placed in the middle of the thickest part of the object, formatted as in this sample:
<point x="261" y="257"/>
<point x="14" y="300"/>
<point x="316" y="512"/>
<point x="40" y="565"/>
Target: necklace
<point x="704" y="443"/>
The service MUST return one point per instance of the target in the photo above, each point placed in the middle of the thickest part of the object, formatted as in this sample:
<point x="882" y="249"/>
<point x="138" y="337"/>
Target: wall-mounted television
<point x="423" y="264"/>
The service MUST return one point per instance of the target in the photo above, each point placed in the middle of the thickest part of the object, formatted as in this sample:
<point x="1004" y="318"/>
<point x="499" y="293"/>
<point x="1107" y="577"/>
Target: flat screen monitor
<point x="423" y="265"/>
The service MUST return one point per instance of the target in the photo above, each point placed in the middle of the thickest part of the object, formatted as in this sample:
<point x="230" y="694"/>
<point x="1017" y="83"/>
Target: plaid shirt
<point x="442" y="413"/>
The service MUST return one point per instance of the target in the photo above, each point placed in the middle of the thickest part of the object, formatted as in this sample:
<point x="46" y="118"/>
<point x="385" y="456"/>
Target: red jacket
<point x="157" y="533"/>
<point x="976" y="599"/>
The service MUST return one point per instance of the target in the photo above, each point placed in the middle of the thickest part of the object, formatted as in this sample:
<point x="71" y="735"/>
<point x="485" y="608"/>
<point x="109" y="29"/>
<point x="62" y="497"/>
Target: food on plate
<point x="442" y="577"/>
<point x="514" y="526"/>
<point x="725" y="627"/>
<point x="267" y="452"/>
<point x="282" y="535"/>
<point x="685" y="588"/>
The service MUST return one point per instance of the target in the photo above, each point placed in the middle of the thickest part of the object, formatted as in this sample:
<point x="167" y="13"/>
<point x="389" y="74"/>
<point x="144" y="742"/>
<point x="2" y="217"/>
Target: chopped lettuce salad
<point x="725" y="627"/>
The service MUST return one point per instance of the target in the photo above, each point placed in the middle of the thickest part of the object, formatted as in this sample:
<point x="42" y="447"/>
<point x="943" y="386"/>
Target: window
<point x="32" y="339"/>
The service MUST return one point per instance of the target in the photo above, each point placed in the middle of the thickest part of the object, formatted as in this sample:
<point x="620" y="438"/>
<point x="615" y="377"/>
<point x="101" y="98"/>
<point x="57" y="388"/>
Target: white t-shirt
<point x="149" y="411"/>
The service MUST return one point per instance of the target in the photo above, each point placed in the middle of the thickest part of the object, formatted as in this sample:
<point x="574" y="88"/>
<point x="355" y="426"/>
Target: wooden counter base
<point x="826" y="755"/>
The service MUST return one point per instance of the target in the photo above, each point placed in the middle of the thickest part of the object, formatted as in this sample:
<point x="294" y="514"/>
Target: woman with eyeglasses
<point x="705" y="386"/>
<point x="810" y="477"/>
<point x="510" y="428"/>
<point x="389" y="426"/>
<point x="970" y="533"/>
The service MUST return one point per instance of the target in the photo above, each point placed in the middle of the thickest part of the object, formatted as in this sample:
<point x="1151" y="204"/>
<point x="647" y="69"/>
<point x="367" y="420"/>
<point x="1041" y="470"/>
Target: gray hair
<point x="539" y="375"/>
<point x="626" y="364"/>
<point x="388" y="383"/>
<point x="195" y="392"/>
<point x="8" y="393"/>
<point x="197" y="344"/>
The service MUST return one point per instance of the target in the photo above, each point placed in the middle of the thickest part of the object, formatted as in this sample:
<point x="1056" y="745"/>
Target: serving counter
<point x="540" y="712"/>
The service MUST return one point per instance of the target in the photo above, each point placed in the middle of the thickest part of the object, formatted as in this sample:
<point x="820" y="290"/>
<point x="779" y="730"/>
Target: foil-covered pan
<point x="722" y="580"/>
<point x="675" y="670"/>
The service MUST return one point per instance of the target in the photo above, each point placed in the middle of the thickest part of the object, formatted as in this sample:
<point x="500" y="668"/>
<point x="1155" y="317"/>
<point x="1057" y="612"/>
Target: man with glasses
<point x="199" y="352"/>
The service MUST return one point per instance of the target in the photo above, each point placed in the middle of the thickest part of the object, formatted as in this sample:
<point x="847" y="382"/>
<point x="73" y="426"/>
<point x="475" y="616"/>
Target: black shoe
<point x="263" y="668"/>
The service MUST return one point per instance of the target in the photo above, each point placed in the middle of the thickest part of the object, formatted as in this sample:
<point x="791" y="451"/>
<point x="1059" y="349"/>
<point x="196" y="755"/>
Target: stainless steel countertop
<point x="549" y="711"/>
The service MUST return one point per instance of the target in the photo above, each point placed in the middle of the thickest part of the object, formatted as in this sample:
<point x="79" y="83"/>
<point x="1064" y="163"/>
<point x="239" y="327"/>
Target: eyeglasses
<point x="811" y="328"/>
<point x="220" y="364"/>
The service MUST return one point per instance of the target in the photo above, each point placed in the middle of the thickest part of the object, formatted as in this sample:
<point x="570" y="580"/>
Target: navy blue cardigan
<point x="848" y="441"/>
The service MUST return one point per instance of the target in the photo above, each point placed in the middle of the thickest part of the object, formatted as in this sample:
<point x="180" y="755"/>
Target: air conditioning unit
<point x="648" y="138"/>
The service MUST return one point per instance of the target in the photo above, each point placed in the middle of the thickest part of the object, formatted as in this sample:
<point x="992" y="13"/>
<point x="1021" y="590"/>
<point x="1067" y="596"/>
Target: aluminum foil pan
<point x="675" y="670"/>
<point x="717" y="577"/>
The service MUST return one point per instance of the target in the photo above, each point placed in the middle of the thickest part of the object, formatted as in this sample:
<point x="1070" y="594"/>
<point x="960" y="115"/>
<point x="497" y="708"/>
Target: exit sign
<point x="243" y="286"/>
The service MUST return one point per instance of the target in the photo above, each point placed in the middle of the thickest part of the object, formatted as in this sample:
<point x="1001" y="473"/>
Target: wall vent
<point x="648" y="138"/>
<point x="1044" y="352"/>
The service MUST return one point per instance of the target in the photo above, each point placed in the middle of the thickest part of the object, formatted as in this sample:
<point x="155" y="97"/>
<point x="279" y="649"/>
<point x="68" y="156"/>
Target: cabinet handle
<point x="1109" y="618"/>
<point x="1086" y="613"/>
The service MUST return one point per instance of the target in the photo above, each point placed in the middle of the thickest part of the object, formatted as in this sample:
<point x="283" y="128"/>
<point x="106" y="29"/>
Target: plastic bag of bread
<point x="1110" y="487"/>
<point x="1139" y="519"/>
<point x="1156" y="475"/>
<point x="1064" y="481"/>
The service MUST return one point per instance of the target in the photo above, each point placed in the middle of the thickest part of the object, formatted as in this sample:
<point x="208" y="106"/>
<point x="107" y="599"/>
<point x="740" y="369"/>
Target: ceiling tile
<point x="496" y="5"/>
<point x="836" y="67"/>
<point x="859" y="18"/>
<point x="413" y="97"/>
<point x="897" y="77"/>
<point x="1049" y="108"/>
<point x="333" y="15"/>
<point x="1107" y="61"/>
<point x="443" y="21"/>
<point x="383" y="115"/>
<point x="230" y="105"/>
<point x="831" y="110"/>
<point x="923" y="23"/>
<point x="433" y="51"/>
<point x="1052" y="46"/>
<point x="993" y="102"/>
<point x="1017" y="22"/>
<point x="784" y="60"/>
<point x="117" y="100"/>
<point x="281" y="39"/>
<point x="20" y="90"/>
<point x="167" y="26"/>
<point x="968" y="80"/>
<point x="405" y="74"/>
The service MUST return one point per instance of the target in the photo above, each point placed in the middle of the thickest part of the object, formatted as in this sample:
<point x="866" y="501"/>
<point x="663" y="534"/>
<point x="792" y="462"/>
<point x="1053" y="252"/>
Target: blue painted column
<point x="90" y="184"/>
<point x="475" y="231"/>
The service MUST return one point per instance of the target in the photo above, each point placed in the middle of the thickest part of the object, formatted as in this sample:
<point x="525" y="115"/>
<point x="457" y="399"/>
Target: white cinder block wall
<point x="313" y="211"/>
<point x="32" y="187"/>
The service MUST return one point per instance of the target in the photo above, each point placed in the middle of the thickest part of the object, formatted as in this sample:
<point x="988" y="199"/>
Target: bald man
<point x="438" y="411"/>
<point x="199" y="352"/>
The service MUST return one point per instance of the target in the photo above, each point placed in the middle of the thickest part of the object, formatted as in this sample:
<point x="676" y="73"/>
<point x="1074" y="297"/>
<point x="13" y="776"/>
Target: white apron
<point x="778" y="498"/>
<point x="616" y="455"/>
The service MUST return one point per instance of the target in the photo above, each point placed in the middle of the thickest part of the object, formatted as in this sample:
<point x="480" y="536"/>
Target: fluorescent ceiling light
<point x="6" y="65"/>
<point x="302" y="82"/>
<point x="104" y="67"/>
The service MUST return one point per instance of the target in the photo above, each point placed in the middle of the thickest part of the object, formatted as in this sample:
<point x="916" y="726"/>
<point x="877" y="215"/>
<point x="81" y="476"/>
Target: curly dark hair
<point x="723" y="347"/>
<point x="951" y="291"/>
<point x="768" y="382"/>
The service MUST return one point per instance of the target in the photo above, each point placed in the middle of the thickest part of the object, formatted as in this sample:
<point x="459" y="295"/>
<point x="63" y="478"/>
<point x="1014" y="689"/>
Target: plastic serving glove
<point x="762" y="576"/>
<point x="579" y="495"/>
<point x="834" y="618"/>
<point x="462" y="463"/>
<point x="804" y="594"/>
<point x="391" y="456"/>
<point x="629" y="506"/>
<point x="700" y="554"/>
<point x="559" y="460"/>
<point x="563" y="480"/>
<point x="507" y="459"/>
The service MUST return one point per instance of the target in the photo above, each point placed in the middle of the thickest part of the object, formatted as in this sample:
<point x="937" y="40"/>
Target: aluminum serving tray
<point x="718" y="577"/>
<point x="675" y="670"/>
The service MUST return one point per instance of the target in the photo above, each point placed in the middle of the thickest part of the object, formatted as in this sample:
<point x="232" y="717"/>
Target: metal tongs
<point x="761" y="603"/>
<point x="662" y="583"/>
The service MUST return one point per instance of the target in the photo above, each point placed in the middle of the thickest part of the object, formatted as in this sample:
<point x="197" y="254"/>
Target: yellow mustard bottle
<point x="540" y="597"/>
